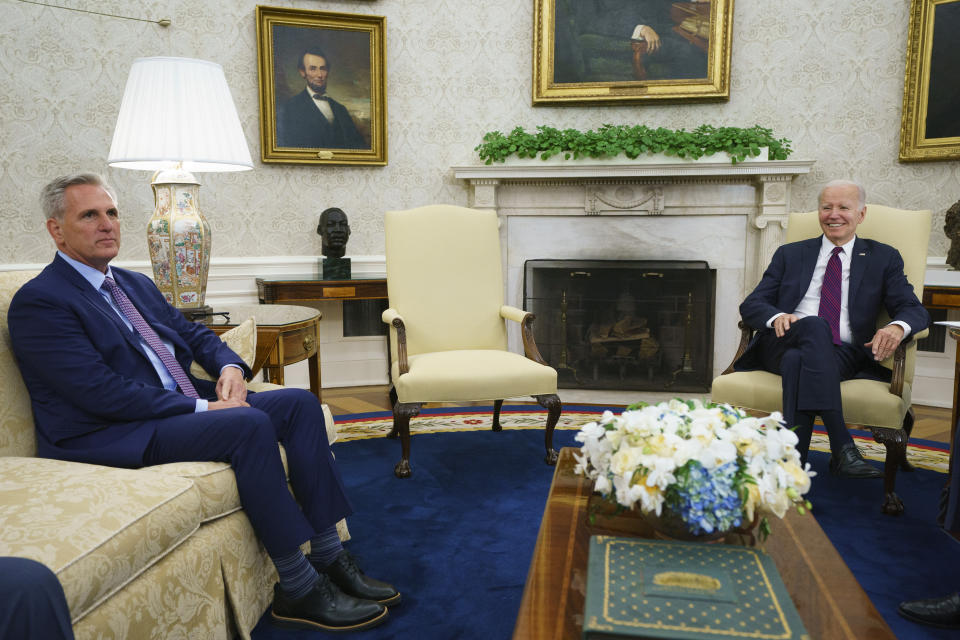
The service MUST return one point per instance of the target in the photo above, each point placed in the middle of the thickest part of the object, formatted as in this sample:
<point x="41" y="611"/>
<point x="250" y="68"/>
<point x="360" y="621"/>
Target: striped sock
<point x="297" y="575"/>
<point x="325" y="547"/>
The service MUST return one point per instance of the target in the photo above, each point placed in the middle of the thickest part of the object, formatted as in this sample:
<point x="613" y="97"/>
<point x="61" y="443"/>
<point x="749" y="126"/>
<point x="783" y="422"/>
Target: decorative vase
<point x="178" y="237"/>
<point x="670" y="526"/>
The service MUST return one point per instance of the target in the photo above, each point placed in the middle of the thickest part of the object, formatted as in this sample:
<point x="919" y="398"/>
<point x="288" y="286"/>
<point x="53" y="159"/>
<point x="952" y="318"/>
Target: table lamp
<point x="177" y="117"/>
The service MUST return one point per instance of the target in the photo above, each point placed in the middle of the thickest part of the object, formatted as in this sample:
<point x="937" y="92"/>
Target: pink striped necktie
<point x="151" y="338"/>
<point x="830" y="294"/>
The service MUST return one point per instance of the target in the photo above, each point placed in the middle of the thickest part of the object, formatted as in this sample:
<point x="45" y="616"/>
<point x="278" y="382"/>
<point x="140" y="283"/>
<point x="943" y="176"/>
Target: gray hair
<point x="53" y="193"/>
<point x="861" y="192"/>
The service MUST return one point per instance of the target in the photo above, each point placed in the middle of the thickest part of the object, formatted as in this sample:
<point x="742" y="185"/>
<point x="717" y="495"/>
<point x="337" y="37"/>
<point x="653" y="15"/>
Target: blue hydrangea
<point x="706" y="501"/>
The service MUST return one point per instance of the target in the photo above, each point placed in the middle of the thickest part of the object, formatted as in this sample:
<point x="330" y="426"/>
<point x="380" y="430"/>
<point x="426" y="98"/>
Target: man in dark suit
<point x="311" y="119"/>
<point x="32" y="602"/>
<point x="106" y="360"/>
<point x="942" y="611"/>
<point x="815" y="311"/>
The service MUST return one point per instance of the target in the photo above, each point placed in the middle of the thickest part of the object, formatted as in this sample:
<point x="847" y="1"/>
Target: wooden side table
<point x="286" y="334"/>
<point x="274" y="289"/>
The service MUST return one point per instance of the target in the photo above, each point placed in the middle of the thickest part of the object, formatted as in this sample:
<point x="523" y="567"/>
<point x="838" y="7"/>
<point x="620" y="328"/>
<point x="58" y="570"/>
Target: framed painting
<point x="322" y="87"/>
<point x="631" y="51"/>
<point x="930" y="124"/>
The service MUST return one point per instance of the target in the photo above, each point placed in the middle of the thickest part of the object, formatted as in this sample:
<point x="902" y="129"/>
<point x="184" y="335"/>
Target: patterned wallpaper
<point x="826" y="74"/>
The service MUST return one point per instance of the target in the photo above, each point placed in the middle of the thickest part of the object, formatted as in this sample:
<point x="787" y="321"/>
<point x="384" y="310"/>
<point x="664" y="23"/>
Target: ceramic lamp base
<point x="179" y="238"/>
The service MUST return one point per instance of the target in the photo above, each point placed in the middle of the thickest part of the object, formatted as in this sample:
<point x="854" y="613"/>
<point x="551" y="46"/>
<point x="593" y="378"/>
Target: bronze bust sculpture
<point x="951" y="228"/>
<point x="334" y="232"/>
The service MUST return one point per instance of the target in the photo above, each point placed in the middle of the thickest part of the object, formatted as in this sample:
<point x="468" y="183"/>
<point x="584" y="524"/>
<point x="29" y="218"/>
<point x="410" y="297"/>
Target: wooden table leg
<point x="313" y="362"/>
<point x="274" y="375"/>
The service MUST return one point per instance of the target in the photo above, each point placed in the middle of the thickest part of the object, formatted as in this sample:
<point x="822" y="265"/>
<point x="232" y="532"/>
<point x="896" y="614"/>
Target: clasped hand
<point x="231" y="390"/>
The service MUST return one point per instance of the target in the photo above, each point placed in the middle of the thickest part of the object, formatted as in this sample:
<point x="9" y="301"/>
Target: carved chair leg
<point x="895" y="441"/>
<point x="402" y="412"/>
<point x="553" y="406"/>
<point x="497" y="405"/>
<point x="393" y="395"/>
<point x="908" y="420"/>
<point x="394" y="434"/>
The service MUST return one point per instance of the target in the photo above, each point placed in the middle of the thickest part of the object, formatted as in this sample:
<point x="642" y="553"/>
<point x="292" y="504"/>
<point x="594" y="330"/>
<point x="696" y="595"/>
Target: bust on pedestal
<point x="334" y="232"/>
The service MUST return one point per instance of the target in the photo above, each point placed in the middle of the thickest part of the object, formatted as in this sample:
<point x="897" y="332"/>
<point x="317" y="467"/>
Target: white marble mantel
<point x="731" y="215"/>
<point x="646" y="189"/>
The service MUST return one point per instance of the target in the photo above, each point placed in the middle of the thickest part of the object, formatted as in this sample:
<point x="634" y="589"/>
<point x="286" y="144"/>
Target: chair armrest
<point x="900" y="361"/>
<point x="392" y="317"/>
<point x="525" y="318"/>
<point x="746" y="332"/>
<point x="512" y="313"/>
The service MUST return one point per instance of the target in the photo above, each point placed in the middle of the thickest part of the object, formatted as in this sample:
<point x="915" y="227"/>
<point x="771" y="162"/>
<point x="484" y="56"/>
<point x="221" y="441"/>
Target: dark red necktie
<point x="830" y="294"/>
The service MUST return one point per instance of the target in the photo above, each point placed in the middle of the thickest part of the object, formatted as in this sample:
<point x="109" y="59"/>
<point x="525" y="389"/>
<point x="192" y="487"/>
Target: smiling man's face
<point x="840" y="213"/>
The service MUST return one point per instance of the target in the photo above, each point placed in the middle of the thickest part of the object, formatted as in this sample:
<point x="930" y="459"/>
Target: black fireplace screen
<point x="624" y="324"/>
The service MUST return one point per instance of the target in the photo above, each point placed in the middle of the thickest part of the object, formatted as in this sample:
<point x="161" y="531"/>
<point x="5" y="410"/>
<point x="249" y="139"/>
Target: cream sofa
<point x="160" y="552"/>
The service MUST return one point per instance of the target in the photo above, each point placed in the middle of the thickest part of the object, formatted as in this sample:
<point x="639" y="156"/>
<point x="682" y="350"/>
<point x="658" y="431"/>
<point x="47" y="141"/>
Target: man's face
<point x="90" y="229"/>
<point x="315" y="72"/>
<point x="840" y="213"/>
<point x="336" y="230"/>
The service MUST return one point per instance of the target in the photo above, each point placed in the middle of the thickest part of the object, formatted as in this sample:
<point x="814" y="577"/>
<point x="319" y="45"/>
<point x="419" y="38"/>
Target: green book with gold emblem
<point x="638" y="588"/>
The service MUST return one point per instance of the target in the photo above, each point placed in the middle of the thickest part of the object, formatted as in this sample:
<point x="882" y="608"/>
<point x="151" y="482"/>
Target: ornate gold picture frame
<point x="322" y="87"/>
<point x="930" y="124"/>
<point x="631" y="51"/>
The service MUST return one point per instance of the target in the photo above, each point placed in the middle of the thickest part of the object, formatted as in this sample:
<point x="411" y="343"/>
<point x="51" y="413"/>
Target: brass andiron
<point x="563" y="365"/>
<point x="686" y="362"/>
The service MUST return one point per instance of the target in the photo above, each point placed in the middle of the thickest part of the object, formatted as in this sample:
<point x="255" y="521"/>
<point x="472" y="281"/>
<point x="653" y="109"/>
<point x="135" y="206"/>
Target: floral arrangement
<point x="712" y="465"/>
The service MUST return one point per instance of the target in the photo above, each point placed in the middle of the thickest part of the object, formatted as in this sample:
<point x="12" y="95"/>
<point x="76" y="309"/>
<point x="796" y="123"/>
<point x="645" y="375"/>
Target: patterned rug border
<point x="925" y="454"/>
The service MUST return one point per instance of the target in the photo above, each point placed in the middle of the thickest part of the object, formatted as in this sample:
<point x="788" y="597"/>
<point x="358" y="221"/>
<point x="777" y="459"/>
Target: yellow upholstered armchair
<point x="448" y="336"/>
<point x="882" y="408"/>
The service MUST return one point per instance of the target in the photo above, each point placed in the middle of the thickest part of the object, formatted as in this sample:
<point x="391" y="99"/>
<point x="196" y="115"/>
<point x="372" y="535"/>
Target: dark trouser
<point x="812" y="368"/>
<point x="32" y="604"/>
<point x="247" y="439"/>
<point x="952" y="495"/>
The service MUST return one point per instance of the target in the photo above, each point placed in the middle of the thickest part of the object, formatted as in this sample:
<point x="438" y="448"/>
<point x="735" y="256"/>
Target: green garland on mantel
<point x="632" y="141"/>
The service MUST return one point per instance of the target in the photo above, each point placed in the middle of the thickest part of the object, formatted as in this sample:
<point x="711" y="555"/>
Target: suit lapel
<point x="809" y="253"/>
<point x="858" y="266"/>
<point x="93" y="297"/>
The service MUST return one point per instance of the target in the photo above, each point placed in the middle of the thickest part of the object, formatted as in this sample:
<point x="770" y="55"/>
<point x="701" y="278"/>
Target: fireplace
<point x="624" y="324"/>
<point x="730" y="217"/>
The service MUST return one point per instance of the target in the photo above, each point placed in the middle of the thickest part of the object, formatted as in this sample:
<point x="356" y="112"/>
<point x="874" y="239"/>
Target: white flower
<point x="636" y="455"/>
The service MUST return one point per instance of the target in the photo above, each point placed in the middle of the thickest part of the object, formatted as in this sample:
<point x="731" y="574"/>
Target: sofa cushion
<point x="242" y="339"/>
<point x="96" y="527"/>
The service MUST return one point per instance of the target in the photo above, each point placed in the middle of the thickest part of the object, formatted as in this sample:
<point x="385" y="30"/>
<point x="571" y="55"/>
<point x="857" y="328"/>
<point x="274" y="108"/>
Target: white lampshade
<point x="178" y="110"/>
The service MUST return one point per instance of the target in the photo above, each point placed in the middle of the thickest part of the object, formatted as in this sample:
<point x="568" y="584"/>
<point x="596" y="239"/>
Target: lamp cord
<point x="163" y="22"/>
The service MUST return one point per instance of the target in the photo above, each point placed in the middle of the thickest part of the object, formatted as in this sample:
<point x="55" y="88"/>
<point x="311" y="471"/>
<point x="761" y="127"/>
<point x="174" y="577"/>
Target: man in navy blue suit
<point x="32" y="603"/>
<point x="795" y="339"/>
<point x="94" y="345"/>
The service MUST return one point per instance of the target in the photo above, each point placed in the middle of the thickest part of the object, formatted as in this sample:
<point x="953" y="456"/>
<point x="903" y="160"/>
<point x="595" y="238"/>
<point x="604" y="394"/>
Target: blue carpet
<point x="457" y="537"/>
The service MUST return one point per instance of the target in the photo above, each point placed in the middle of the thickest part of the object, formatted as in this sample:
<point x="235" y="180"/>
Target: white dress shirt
<point x="322" y="104"/>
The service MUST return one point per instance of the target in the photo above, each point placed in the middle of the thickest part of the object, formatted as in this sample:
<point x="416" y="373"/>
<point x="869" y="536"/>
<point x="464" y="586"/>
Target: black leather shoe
<point x="345" y="573"/>
<point x="937" y="612"/>
<point x="850" y="464"/>
<point x="327" y="608"/>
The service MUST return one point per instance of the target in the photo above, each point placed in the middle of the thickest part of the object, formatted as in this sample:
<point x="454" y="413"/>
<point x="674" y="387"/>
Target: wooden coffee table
<point x="829" y="599"/>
